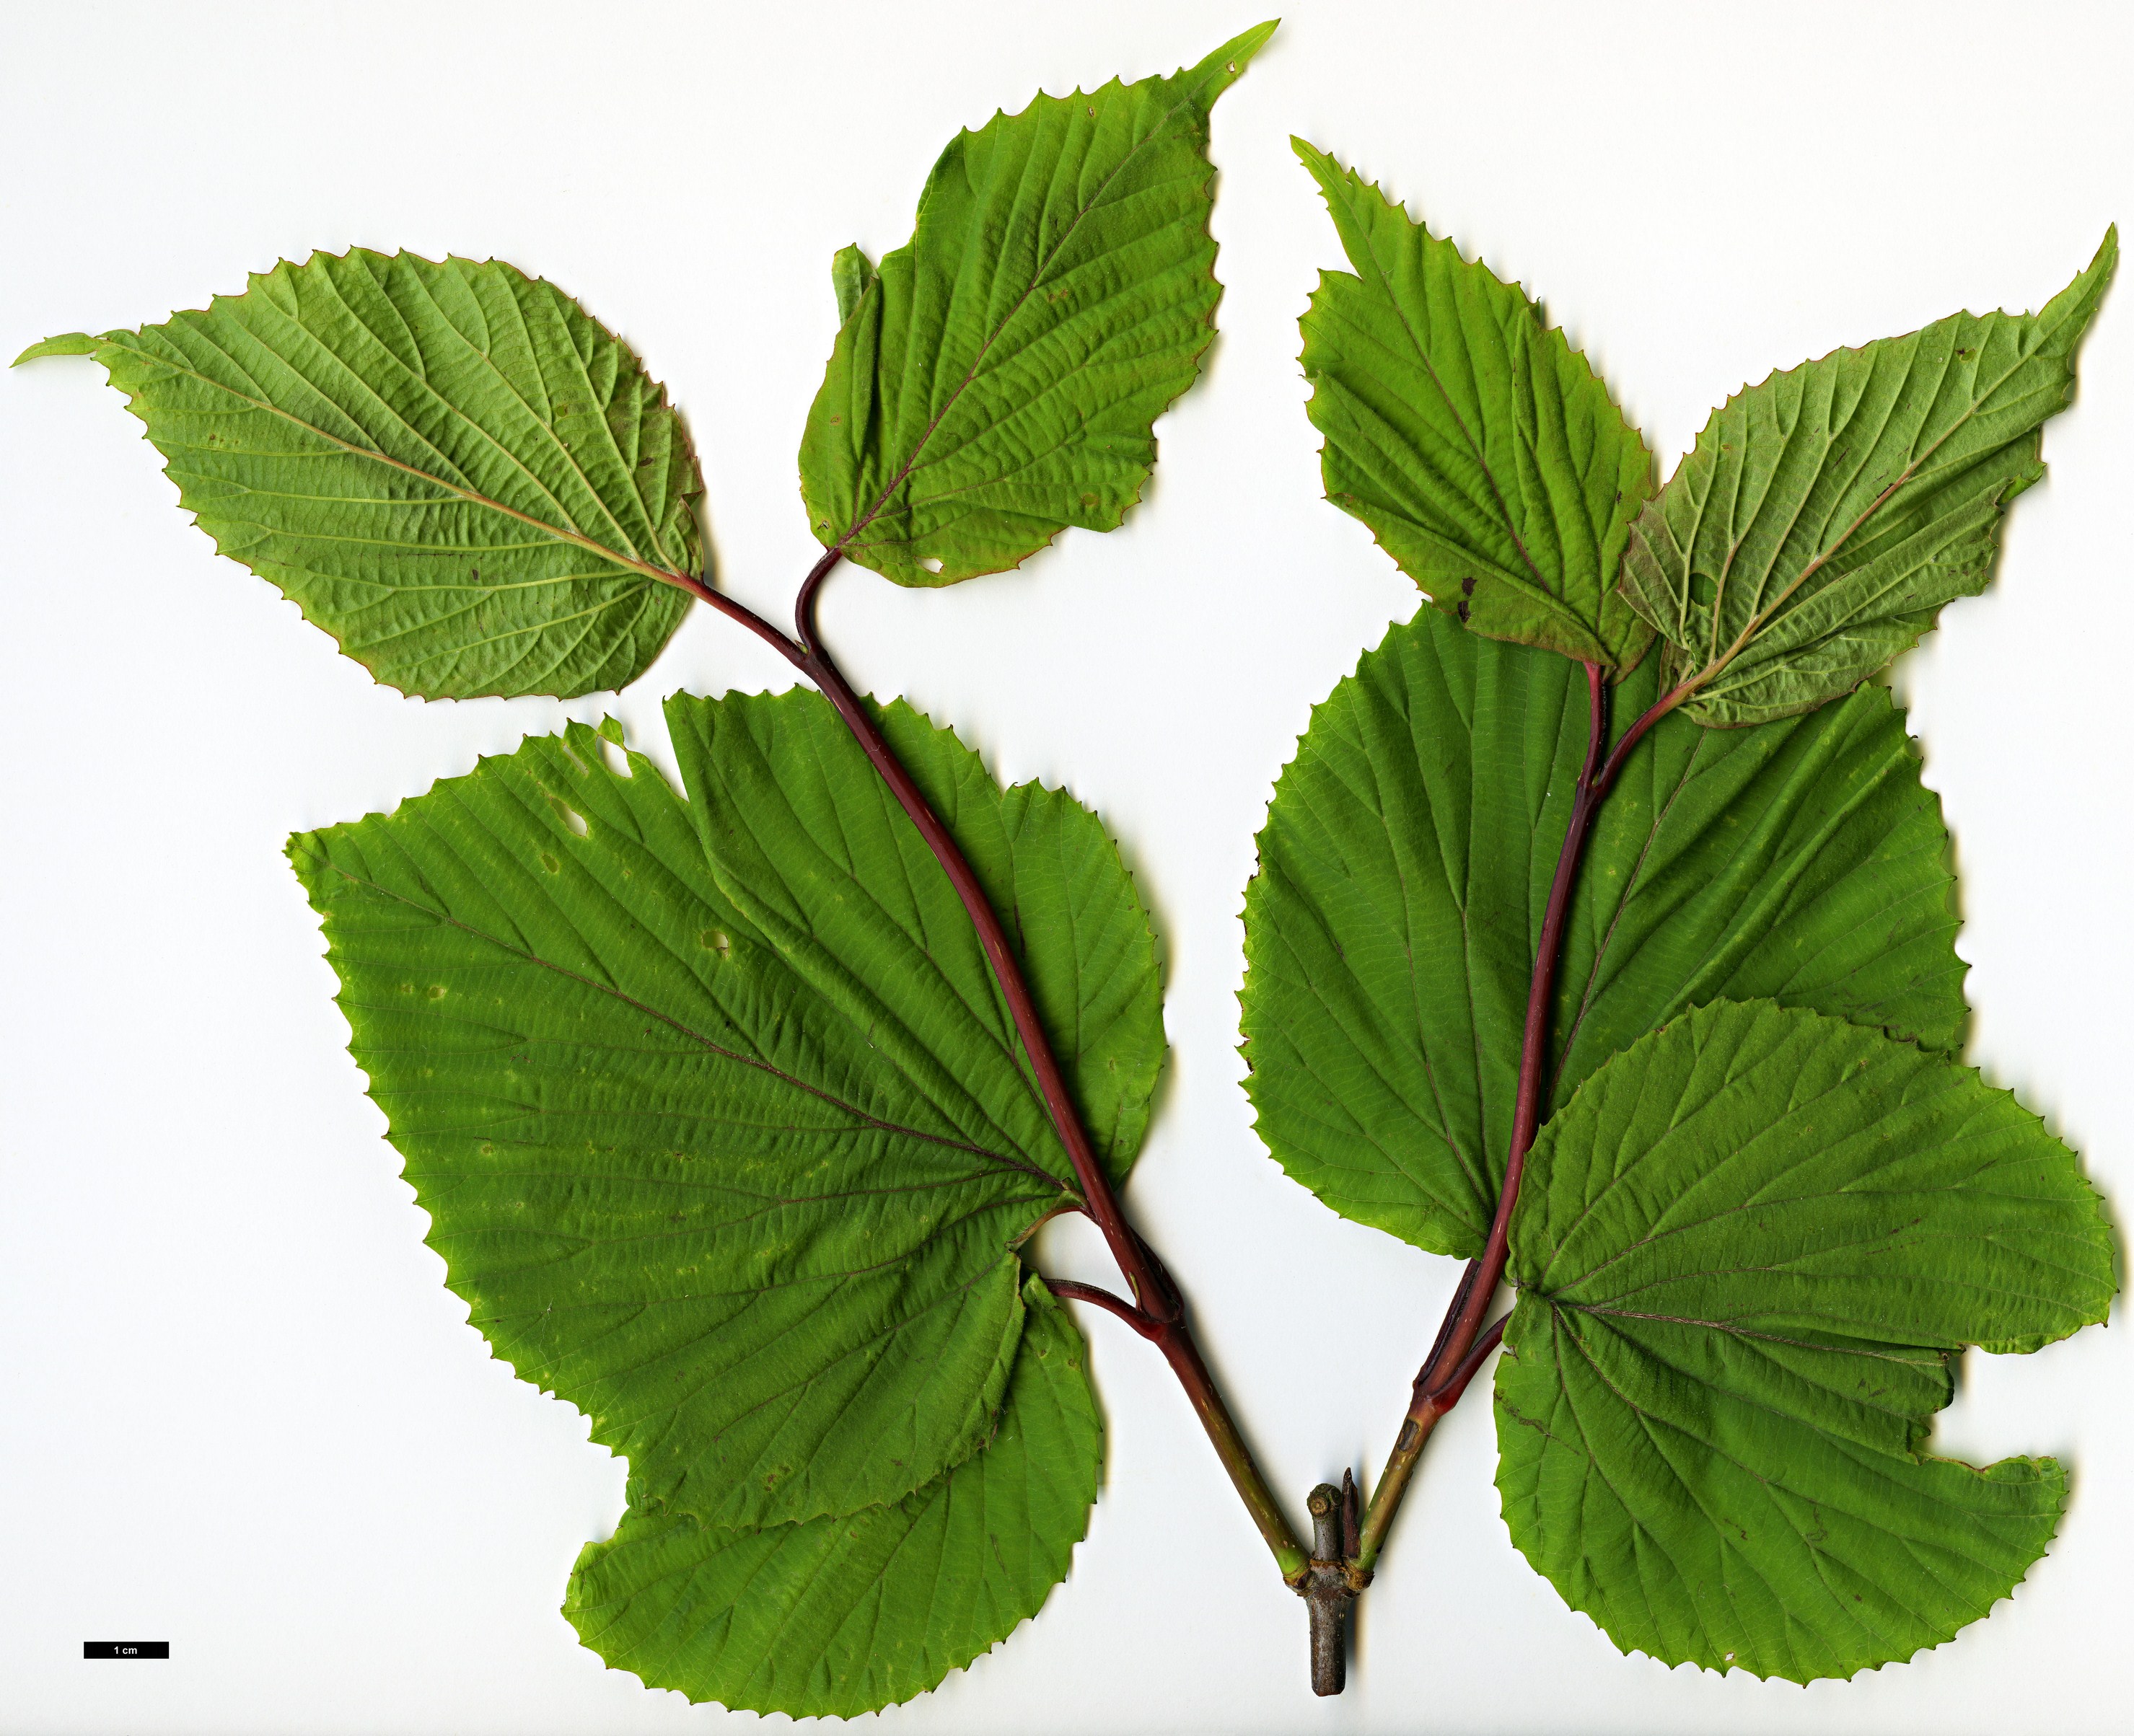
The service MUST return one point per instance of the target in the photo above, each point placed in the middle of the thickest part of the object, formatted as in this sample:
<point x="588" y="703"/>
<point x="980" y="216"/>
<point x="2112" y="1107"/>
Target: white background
<point x="239" y="1409"/>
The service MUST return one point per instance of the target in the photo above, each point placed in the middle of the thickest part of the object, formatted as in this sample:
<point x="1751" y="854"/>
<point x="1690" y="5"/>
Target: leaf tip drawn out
<point x="1058" y="294"/>
<point x="1483" y="452"/>
<point x="2066" y="317"/>
<point x="67" y="343"/>
<point x="1828" y="513"/>
<point x="1235" y="53"/>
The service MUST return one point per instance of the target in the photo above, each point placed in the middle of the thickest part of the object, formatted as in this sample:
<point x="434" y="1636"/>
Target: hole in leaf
<point x="932" y="563"/>
<point x="618" y="762"/>
<point x="712" y="941"/>
<point x="573" y="818"/>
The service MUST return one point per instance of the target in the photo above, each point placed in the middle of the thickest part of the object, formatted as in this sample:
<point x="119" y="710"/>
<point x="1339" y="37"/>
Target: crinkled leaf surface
<point x="837" y="1616"/>
<point x="998" y="378"/>
<point x="720" y="1121"/>
<point x="1826" y="516"/>
<point x="1405" y="866"/>
<point x="1744" y="1251"/>
<point x="455" y="471"/>
<point x="1481" y="449"/>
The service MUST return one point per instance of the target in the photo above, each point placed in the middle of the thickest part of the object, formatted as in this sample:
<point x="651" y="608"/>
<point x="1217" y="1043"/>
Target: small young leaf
<point x="1745" y="1251"/>
<point x="835" y="1617"/>
<point x="1000" y="379"/>
<point x="451" y="469"/>
<point x="724" y="1133"/>
<point x="1486" y="458"/>
<point x="851" y="272"/>
<point x="1406" y="863"/>
<point x="1826" y="516"/>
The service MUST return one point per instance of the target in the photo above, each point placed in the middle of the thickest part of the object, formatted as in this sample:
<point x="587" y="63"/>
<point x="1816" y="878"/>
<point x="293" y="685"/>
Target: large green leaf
<point x="1479" y="446"/>
<point x="451" y="469"/>
<point x="1406" y="862"/>
<point x="722" y="1125"/>
<point x="1747" y="1247"/>
<point x="834" y="1617"/>
<point x="1826" y="516"/>
<point x="998" y="380"/>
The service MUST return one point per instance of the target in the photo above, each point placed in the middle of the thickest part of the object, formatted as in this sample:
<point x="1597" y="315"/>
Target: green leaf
<point x="1406" y="863"/>
<point x="1745" y="1252"/>
<point x="1486" y="458"/>
<point x="451" y="469"/>
<point x="997" y="381"/>
<point x="723" y="1130"/>
<point x="851" y="272"/>
<point x="835" y="1617"/>
<point x="71" y="342"/>
<point x="1826" y="516"/>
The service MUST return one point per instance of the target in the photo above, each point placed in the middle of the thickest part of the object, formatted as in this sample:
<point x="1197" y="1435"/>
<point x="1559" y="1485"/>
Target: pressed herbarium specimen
<point x="1602" y="936"/>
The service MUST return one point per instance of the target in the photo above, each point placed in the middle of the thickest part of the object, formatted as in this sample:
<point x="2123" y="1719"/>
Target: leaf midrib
<point x="1886" y="1352"/>
<point x="693" y="1035"/>
<point x="472" y="496"/>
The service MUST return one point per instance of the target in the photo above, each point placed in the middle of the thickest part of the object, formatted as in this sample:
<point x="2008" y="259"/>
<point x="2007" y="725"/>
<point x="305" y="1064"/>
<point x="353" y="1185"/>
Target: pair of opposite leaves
<point x="720" y="1119"/>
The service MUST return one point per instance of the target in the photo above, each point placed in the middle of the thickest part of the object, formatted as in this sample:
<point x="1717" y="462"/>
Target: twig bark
<point x="1330" y="1586"/>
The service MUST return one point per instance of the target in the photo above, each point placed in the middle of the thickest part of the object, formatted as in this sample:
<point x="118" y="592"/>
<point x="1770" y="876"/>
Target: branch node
<point x="1329" y="1583"/>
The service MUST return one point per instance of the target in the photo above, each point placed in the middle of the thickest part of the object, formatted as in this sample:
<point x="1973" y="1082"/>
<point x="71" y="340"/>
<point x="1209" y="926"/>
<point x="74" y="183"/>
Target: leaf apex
<point x="2067" y="316"/>
<point x="851" y="273"/>
<point x="67" y="343"/>
<point x="2107" y="255"/>
<point x="1327" y="169"/>
<point x="1239" y="49"/>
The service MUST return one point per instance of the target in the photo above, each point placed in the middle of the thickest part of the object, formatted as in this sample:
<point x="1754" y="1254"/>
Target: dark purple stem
<point x="1461" y="1345"/>
<point x="1157" y="1311"/>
